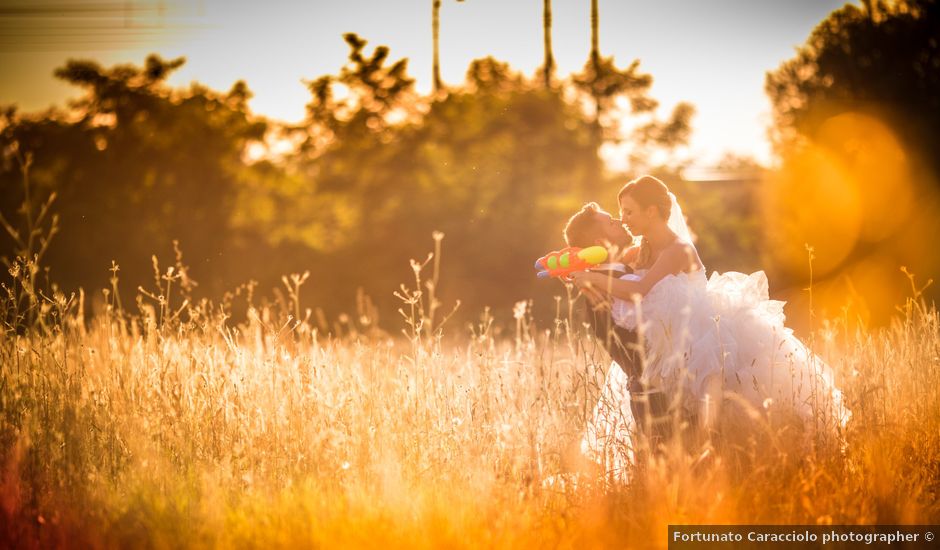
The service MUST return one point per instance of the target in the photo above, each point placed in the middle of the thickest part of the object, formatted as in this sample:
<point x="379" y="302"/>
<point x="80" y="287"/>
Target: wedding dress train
<point x="692" y="329"/>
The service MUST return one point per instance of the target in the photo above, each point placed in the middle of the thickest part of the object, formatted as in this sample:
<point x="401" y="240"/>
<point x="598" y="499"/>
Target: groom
<point x="593" y="226"/>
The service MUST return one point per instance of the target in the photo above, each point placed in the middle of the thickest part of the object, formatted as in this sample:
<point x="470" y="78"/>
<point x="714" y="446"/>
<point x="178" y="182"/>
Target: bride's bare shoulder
<point x="683" y="256"/>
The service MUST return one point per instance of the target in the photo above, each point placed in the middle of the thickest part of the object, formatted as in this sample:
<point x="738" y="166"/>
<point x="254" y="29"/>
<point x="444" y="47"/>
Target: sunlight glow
<point x="854" y="195"/>
<point x="274" y="46"/>
<point x="814" y="200"/>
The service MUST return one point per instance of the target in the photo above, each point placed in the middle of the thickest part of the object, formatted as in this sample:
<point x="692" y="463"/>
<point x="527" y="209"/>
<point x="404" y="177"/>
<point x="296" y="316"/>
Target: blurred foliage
<point x="857" y="115"/>
<point x="881" y="59"/>
<point x="724" y="218"/>
<point x="135" y="165"/>
<point x="497" y="164"/>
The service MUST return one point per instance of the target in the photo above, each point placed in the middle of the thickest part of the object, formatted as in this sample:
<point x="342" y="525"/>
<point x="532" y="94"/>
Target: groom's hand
<point x="587" y="280"/>
<point x="594" y="295"/>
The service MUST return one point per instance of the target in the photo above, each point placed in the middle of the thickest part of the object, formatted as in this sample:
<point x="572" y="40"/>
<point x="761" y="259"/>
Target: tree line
<point x="496" y="164"/>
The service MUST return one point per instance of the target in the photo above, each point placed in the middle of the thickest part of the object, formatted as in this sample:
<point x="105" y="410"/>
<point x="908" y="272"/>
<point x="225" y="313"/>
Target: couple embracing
<point x="697" y="359"/>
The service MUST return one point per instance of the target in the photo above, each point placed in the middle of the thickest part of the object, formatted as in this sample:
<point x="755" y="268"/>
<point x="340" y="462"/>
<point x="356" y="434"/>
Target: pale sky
<point x="712" y="53"/>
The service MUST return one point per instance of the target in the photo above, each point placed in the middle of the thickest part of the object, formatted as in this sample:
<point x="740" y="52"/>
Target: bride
<point x="717" y="347"/>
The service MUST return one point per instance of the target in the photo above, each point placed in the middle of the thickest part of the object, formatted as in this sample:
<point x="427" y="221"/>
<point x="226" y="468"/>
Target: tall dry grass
<point x="168" y="424"/>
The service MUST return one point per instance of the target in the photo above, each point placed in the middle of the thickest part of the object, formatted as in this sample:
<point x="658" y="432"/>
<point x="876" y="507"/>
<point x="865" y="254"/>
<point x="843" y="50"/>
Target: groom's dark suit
<point x="649" y="406"/>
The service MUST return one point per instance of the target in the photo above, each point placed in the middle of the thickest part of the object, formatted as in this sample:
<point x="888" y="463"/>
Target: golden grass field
<point x="166" y="424"/>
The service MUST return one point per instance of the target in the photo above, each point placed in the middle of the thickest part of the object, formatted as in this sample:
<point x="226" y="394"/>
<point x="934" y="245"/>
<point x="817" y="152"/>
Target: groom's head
<point x="592" y="226"/>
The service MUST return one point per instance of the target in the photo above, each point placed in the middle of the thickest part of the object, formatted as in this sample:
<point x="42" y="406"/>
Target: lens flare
<point x="812" y="201"/>
<point x="865" y="206"/>
<point x="879" y="170"/>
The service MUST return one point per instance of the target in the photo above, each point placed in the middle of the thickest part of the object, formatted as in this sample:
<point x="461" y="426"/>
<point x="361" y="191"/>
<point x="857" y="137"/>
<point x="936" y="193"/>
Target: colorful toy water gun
<point x="566" y="261"/>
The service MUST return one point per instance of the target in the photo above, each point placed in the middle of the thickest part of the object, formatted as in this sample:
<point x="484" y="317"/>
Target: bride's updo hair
<point x="648" y="191"/>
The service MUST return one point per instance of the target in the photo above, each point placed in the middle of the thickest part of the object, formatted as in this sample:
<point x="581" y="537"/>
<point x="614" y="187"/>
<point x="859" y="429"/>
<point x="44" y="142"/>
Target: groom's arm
<point x="674" y="259"/>
<point x="619" y="342"/>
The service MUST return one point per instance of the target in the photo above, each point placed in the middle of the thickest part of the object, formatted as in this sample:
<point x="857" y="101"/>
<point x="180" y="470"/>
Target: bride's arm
<point x="671" y="261"/>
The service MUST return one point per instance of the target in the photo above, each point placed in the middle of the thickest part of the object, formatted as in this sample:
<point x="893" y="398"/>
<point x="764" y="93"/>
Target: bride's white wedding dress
<point x="692" y="328"/>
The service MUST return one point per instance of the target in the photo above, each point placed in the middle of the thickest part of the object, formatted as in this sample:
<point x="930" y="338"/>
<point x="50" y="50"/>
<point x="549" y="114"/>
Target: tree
<point x="498" y="164"/>
<point x="595" y="36"/>
<point x="605" y="83"/>
<point x="436" y="39"/>
<point x="881" y="60"/>
<point x="497" y="160"/>
<point x="344" y="139"/>
<point x="856" y="125"/>
<point x="549" y="64"/>
<point x="136" y="165"/>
